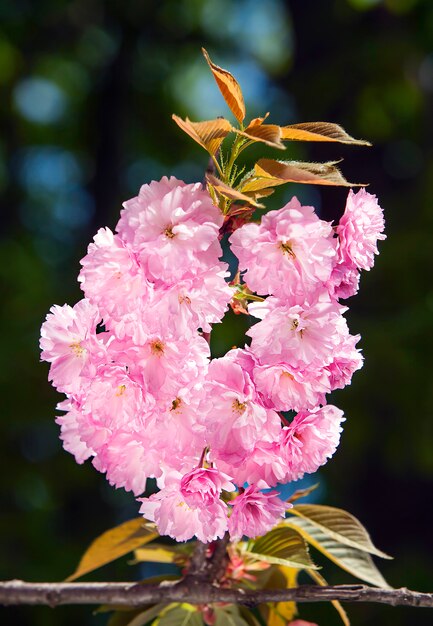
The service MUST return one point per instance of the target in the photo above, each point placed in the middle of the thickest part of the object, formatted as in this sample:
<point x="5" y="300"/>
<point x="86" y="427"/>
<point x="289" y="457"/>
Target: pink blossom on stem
<point x="69" y="342"/>
<point x="112" y="278"/>
<point x="233" y="413"/>
<point x="289" y="388"/>
<point x="70" y="431"/>
<point x="360" y="227"/>
<point x="347" y="360"/>
<point x="202" y="486"/>
<point x="174" y="229"/>
<point x="128" y="459"/>
<point x="344" y="280"/>
<point x="311" y="439"/>
<point x="264" y="466"/>
<point x="255" y="513"/>
<point x="303" y="336"/>
<point x="180" y="520"/>
<point x="192" y="303"/>
<point x="289" y="254"/>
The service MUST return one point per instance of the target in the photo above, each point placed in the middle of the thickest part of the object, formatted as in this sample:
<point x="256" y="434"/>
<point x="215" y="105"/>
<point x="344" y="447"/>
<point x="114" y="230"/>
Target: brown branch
<point x="208" y="563"/>
<point x="17" y="592"/>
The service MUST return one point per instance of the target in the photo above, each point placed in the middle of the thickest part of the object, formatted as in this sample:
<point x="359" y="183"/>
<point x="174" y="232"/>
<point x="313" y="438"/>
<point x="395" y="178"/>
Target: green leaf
<point x="340" y="525"/>
<point x="353" y="561"/>
<point x="148" y="615"/>
<point x="229" y="616"/>
<point x="135" y="617"/>
<point x="282" y="546"/>
<point x="248" y="616"/>
<point x="122" y="617"/>
<point x="113" y="544"/>
<point x="180" y="615"/>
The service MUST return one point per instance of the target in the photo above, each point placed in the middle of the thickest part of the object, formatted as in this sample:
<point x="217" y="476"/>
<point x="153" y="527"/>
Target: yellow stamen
<point x="288" y="375"/>
<point x="121" y="390"/>
<point x="157" y="347"/>
<point x="238" y="407"/>
<point x="287" y="249"/>
<point x="77" y="348"/>
<point x="176" y="404"/>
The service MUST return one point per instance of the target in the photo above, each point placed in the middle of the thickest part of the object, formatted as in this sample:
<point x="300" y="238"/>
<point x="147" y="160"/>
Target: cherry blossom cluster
<point x="143" y="397"/>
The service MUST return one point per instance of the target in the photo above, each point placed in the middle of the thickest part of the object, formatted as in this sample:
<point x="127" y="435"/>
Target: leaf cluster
<point x="233" y="184"/>
<point x="272" y="561"/>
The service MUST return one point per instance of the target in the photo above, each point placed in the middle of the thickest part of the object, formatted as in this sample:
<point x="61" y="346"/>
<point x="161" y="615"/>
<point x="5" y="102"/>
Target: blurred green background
<point x="87" y="91"/>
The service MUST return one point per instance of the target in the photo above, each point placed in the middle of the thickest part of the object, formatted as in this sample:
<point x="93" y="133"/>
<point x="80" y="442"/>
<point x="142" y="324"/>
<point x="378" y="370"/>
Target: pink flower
<point x="70" y="431"/>
<point x="180" y="520"/>
<point x="69" y="342"/>
<point x="344" y="280"/>
<point x="302" y="336"/>
<point x="232" y="412"/>
<point x="191" y="303"/>
<point x="202" y="486"/>
<point x="165" y="365"/>
<point x="310" y="440"/>
<point x="255" y="513"/>
<point x="114" y="401"/>
<point x="129" y="458"/>
<point x="112" y="278"/>
<point x="289" y="388"/>
<point x="290" y="254"/>
<point x="360" y="228"/>
<point x="174" y="229"/>
<point x="264" y="466"/>
<point x="347" y="360"/>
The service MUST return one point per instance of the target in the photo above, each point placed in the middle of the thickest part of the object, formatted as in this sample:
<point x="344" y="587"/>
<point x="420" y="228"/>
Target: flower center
<point x="77" y="348"/>
<point x="287" y="375"/>
<point x="157" y="347"/>
<point x="286" y="247"/>
<point x="120" y="390"/>
<point x="238" y="407"/>
<point x="176" y="404"/>
<point x="295" y="326"/>
<point x="169" y="232"/>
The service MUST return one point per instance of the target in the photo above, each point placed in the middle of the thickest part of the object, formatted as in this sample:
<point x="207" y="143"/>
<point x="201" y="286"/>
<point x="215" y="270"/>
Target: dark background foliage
<point x="87" y="91"/>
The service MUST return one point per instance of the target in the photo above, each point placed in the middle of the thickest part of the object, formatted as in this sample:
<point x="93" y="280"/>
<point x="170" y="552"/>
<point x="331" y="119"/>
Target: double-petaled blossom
<point x="181" y="520"/>
<point x="289" y="254"/>
<point x="255" y="513"/>
<point x="113" y="279"/>
<point x="303" y="335"/>
<point x="144" y="400"/>
<point x="311" y="439"/>
<point x="173" y="227"/>
<point x="233" y="412"/>
<point x="202" y="486"/>
<point x="69" y="342"/>
<point x="359" y="229"/>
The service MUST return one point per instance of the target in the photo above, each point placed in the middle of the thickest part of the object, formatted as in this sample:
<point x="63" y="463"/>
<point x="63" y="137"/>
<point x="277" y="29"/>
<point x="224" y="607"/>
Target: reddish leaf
<point x="229" y="88"/>
<point x="209" y="134"/>
<point x="319" y="131"/>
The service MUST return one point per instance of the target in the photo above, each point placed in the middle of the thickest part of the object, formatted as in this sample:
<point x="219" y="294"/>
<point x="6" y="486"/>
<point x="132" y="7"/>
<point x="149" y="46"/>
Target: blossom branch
<point x="17" y="592"/>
